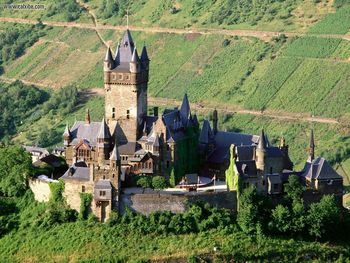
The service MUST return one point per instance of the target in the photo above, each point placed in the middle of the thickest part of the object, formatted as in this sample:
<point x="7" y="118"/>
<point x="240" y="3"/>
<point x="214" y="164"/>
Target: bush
<point x="144" y="182"/>
<point x="85" y="203"/>
<point x="57" y="190"/>
<point x="159" y="182"/>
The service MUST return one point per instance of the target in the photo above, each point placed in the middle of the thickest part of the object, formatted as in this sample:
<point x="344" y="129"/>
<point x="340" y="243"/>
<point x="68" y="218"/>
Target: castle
<point x="103" y="155"/>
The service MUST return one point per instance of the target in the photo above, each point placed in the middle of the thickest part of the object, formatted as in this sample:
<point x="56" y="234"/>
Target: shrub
<point x="57" y="190"/>
<point x="85" y="203"/>
<point x="159" y="182"/>
<point x="144" y="182"/>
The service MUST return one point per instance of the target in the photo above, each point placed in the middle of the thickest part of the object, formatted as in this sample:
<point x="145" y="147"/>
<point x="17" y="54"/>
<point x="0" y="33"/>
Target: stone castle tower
<point x="125" y="83"/>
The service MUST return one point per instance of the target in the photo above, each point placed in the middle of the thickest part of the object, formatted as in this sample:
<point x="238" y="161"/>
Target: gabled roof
<point x="77" y="173"/>
<point x="320" y="169"/>
<point x="81" y="130"/>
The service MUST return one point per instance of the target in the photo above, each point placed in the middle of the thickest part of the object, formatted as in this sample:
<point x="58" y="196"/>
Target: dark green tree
<point x="293" y="188"/>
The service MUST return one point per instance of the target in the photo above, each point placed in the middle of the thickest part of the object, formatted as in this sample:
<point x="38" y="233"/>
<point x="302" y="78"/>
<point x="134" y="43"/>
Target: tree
<point x="15" y="168"/>
<point x="281" y="219"/>
<point x="144" y="182"/>
<point x="253" y="210"/>
<point x="293" y="188"/>
<point x="159" y="182"/>
<point x="323" y="217"/>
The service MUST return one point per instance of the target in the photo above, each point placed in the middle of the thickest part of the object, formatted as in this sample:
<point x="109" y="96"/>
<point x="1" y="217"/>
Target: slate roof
<point x="31" y="149"/>
<point x="115" y="156"/>
<point x="128" y="148"/>
<point x="126" y="47"/>
<point x="144" y="54"/>
<point x="262" y="141"/>
<point x="223" y="141"/>
<point x="320" y="169"/>
<point x="135" y="57"/>
<point x="103" y="184"/>
<point x="109" y="56"/>
<point x="104" y="131"/>
<point x="89" y="132"/>
<point x="206" y="136"/>
<point x="245" y="152"/>
<point x="246" y="168"/>
<point x="78" y="173"/>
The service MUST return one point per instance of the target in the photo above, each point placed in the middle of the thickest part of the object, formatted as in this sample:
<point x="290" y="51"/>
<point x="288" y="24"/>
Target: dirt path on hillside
<point x="228" y="108"/>
<point x="209" y="106"/>
<point x="264" y="35"/>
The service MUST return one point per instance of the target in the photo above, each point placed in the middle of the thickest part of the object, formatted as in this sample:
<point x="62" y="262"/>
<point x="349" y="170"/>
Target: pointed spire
<point x="282" y="141"/>
<point x="87" y="116"/>
<point x="144" y="54"/>
<point x="115" y="156"/>
<point x="109" y="56"/>
<point x="215" y="121"/>
<point x="66" y="131"/>
<point x="312" y="146"/>
<point x="185" y="110"/>
<point x="195" y="120"/>
<point x="104" y="131"/>
<point x="135" y="57"/>
<point x="206" y="135"/>
<point x="262" y="141"/>
<point x="117" y="54"/>
<point x="126" y="47"/>
<point x="144" y="131"/>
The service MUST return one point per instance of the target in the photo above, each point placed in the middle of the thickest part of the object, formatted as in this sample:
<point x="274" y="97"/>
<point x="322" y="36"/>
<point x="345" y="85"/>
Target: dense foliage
<point x="15" y="168"/>
<point x="85" y="203"/>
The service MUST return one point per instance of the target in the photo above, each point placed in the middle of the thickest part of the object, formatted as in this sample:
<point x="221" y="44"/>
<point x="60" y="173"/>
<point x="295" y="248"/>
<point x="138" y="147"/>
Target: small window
<point x="83" y="188"/>
<point x="113" y="175"/>
<point x="114" y="76"/>
<point x="127" y="77"/>
<point x="127" y="114"/>
<point x="113" y="115"/>
<point x="270" y="170"/>
<point x="120" y="76"/>
<point x="102" y="193"/>
<point x="167" y="164"/>
<point x="167" y="147"/>
<point x="113" y="110"/>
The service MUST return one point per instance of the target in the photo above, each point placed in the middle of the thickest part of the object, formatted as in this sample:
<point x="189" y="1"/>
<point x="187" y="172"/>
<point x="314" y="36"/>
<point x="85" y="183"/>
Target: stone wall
<point x="40" y="189"/>
<point x="151" y="202"/>
<point x="72" y="190"/>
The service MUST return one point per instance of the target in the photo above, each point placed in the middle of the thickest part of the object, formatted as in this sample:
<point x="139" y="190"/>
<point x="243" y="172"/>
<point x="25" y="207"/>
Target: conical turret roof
<point x="127" y="47"/>
<point x="144" y="54"/>
<point x="109" y="57"/>
<point x="66" y="131"/>
<point x="117" y="54"/>
<point x="262" y="141"/>
<point x="104" y="131"/>
<point x="115" y="156"/>
<point x="135" y="57"/>
<point x="185" y="110"/>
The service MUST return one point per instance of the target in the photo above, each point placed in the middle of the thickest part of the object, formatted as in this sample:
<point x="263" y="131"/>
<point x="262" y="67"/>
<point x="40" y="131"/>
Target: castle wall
<point x="72" y="190"/>
<point x="40" y="189"/>
<point x="150" y="202"/>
